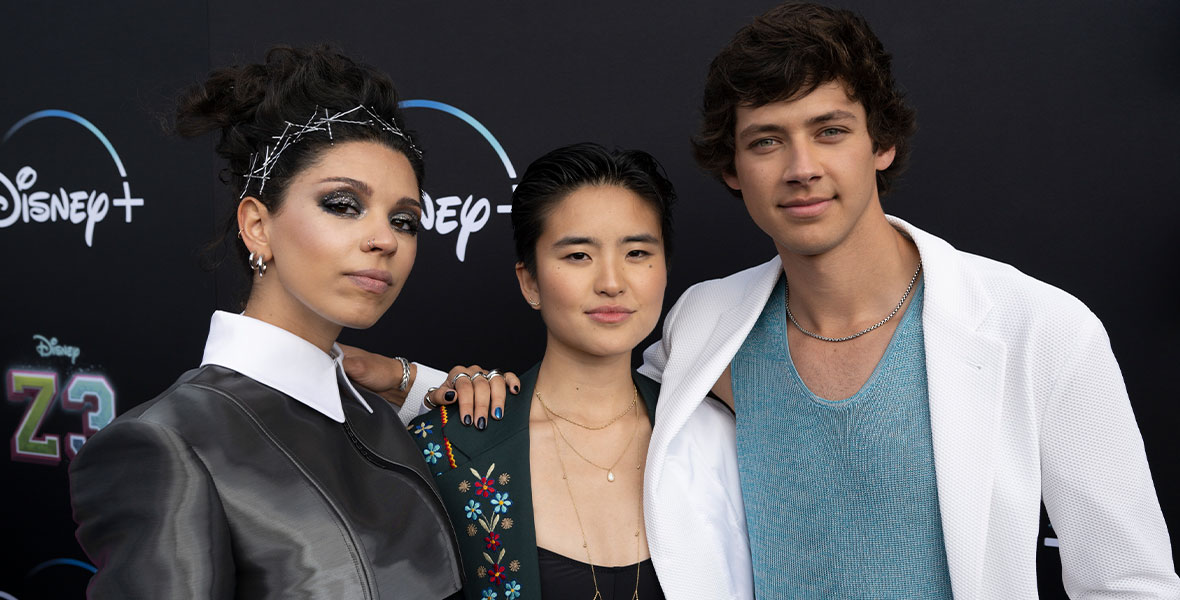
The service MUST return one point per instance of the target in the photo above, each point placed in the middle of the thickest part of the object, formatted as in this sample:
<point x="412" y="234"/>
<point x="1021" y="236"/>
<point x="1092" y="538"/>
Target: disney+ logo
<point x="20" y="202"/>
<point x="462" y="214"/>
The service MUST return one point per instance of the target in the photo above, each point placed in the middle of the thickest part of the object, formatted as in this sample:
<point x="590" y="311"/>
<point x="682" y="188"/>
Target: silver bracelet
<point x="405" y="373"/>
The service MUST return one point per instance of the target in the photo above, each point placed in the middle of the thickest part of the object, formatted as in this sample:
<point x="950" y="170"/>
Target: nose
<point x="804" y="167"/>
<point x="610" y="281"/>
<point x="380" y="239"/>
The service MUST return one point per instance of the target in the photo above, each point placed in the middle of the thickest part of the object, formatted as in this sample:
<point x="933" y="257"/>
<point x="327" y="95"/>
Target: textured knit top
<point x="841" y="499"/>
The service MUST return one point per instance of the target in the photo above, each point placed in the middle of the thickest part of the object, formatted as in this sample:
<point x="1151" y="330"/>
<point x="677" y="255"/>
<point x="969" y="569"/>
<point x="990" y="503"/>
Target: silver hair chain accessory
<point x="908" y="289"/>
<point x="261" y="163"/>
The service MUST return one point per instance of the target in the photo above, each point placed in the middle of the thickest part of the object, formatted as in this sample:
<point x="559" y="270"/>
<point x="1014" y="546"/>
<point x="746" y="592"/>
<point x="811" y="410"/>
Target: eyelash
<point x="406" y="222"/>
<point x="342" y="204"/>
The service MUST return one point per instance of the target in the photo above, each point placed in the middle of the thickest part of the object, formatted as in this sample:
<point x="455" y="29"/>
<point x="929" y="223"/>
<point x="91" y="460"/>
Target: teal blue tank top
<point x="841" y="499"/>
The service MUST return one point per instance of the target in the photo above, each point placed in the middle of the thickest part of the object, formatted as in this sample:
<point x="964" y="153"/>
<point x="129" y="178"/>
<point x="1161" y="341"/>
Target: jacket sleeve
<point x="149" y="516"/>
<point x="1096" y="483"/>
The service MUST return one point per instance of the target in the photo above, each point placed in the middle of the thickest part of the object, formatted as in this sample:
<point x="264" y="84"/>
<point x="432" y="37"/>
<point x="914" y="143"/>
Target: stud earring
<point x="536" y="304"/>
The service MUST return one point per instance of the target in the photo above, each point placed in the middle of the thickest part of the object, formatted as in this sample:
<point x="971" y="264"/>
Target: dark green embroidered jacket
<point x="486" y="487"/>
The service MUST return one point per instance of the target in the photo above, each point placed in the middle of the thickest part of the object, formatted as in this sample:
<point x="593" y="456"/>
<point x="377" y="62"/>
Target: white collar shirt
<point x="281" y="360"/>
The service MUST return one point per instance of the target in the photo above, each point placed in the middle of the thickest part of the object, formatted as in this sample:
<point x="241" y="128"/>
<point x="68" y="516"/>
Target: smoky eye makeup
<point x="406" y="222"/>
<point x="342" y="202"/>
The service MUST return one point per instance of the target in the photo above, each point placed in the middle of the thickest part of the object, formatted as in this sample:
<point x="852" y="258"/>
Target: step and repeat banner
<point x="1047" y="139"/>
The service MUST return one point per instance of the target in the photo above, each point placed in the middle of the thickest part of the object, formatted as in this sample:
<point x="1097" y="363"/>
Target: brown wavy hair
<point x="785" y="54"/>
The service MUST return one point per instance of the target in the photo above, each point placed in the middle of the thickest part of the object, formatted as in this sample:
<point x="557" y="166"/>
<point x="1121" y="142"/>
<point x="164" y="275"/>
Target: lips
<point x="610" y="314"/>
<point x="371" y="280"/>
<point x="803" y="208"/>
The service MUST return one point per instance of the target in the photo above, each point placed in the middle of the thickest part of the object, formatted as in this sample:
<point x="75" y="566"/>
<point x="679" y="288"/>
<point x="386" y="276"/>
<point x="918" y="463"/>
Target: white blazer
<point x="1027" y="404"/>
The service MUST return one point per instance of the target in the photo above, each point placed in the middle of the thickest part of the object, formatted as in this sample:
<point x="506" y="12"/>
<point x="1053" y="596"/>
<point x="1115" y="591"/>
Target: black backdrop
<point x="1048" y="139"/>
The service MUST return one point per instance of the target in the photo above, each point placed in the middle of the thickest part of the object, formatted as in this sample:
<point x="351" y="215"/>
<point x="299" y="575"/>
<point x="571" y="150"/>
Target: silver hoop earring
<point x="257" y="264"/>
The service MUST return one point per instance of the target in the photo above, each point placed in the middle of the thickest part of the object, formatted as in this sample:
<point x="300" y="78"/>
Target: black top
<point x="564" y="577"/>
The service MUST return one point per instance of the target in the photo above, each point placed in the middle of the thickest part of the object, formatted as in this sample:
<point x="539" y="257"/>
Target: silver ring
<point x="456" y="378"/>
<point x="479" y="374"/>
<point x="371" y="244"/>
<point x="427" y="402"/>
<point x="493" y="373"/>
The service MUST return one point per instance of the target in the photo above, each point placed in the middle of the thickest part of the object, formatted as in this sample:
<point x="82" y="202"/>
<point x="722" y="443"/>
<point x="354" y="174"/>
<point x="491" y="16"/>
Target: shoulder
<point x="731" y="284"/>
<point x="714" y="296"/>
<point x="1020" y="300"/>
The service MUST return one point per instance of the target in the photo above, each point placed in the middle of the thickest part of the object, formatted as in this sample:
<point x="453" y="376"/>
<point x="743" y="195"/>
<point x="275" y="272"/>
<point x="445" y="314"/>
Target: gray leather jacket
<point x="222" y="487"/>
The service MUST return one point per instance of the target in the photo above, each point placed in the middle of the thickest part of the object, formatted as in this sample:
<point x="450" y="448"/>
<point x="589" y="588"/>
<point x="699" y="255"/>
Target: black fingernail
<point x="466" y="419"/>
<point x="481" y="424"/>
<point x="516" y="389"/>
<point x="498" y="413"/>
<point x="449" y="396"/>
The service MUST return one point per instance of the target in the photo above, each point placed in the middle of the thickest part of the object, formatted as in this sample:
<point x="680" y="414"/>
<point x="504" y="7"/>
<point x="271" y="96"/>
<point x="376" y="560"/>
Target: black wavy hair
<point x="251" y="104"/>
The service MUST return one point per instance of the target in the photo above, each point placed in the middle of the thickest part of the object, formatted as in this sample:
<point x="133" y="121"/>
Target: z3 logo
<point x="87" y="393"/>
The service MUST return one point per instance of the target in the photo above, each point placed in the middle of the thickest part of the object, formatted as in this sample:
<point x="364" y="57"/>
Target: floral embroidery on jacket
<point x="431" y="452"/>
<point x="512" y="590"/>
<point x="501" y="502"/>
<point x="423" y="429"/>
<point x="483" y="487"/>
<point x="491" y="522"/>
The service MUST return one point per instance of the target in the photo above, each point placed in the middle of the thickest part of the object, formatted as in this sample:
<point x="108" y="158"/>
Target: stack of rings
<point x="487" y="375"/>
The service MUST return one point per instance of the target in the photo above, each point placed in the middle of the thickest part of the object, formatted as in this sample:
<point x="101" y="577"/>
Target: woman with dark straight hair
<point x="549" y="502"/>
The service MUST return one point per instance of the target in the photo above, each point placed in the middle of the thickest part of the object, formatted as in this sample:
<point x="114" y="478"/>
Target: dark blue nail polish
<point x="498" y="413"/>
<point x="466" y="419"/>
<point x="481" y="424"/>
<point x="449" y="396"/>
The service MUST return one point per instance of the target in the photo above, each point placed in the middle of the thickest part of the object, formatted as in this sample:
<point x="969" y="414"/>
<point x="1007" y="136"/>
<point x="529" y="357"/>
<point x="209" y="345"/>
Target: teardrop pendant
<point x="610" y="476"/>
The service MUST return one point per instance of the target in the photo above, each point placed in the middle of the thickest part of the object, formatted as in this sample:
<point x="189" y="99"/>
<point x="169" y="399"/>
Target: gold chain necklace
<point x="578" y="515"/>
<point x="610" y="471"/>
<point x="634" y="401"/>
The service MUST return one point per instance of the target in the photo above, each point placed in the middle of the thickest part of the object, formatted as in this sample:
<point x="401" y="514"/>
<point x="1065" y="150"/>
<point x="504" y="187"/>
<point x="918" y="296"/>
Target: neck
<point x="292" y="316"/>
<point x="583" y="387"/>
<point x="853" y="285"/>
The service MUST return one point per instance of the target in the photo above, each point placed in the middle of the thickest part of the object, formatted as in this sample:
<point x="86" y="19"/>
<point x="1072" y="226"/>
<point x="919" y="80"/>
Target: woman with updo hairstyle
<point x="265" y="473"/>
<point x="549" y="502"/>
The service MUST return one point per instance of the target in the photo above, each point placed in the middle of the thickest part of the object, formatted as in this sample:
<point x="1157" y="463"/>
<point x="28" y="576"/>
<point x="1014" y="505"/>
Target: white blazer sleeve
<point x="1096" y="484"/>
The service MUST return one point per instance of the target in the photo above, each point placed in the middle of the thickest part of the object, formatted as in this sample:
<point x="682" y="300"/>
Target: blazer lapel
<point x="688" y="377"/>
<point x="962" y="369"/>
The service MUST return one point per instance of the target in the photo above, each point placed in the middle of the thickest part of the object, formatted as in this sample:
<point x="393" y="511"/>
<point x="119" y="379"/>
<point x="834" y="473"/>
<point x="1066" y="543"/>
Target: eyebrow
<point x="368" y="191"/>
<point x="356" y="183"/>
<point x="577" y="240"/>
<point x="834" y="115"/>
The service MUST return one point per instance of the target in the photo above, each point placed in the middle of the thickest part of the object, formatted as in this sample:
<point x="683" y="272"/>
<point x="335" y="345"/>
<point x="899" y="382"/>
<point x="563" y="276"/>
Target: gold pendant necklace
<point x="578" y="515"/>
<point x="610" y="471"/>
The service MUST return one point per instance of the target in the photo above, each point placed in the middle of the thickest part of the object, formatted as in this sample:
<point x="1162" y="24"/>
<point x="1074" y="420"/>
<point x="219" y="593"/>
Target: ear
<point x="254" y="225"/>
<point x="730" y="177"/>
<point x="884" y="158"/>
<point x="528" y="286"/>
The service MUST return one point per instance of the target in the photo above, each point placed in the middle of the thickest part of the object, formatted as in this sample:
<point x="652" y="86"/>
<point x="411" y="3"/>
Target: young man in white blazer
<point x="902" y="408"/>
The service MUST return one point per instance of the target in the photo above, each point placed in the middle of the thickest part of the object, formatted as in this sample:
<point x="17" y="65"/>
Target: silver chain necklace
<point x="908" y="289"/>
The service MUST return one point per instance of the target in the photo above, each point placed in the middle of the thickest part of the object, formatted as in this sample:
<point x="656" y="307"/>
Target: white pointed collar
<point x="279" y="359"/>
